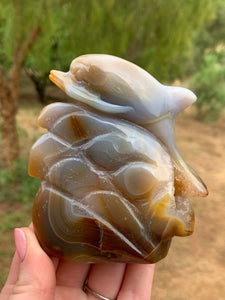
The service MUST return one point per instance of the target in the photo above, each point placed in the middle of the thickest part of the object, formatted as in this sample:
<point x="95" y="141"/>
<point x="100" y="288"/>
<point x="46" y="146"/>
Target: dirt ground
<point x="195" y="266"/>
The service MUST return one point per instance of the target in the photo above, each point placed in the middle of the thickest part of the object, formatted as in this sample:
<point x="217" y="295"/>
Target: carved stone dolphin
<point x="117" y="87"/>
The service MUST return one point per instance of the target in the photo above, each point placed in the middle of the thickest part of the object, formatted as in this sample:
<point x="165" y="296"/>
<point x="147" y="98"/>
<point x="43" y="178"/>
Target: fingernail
<point x="20" y="242"/>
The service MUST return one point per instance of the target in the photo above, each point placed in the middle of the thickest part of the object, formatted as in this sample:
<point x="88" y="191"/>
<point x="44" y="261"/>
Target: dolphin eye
<point x="79" y="75"/>
<point x="77" y="70"/>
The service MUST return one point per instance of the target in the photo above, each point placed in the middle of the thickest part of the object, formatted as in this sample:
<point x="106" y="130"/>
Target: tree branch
<point x="27" y="45"/>
<point x="20" y="55"/>
<point x="2" y="83"/>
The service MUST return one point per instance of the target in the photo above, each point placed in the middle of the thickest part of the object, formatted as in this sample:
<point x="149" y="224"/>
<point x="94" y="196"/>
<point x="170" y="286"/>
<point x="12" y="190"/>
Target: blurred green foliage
<point x="209" y="84"/>
<point x="211" y="35"/>
<point x="156" y="34"/>
<point x="167" y="38"/>
<point x="208" y="79"/>
<point x="17" y="18"/>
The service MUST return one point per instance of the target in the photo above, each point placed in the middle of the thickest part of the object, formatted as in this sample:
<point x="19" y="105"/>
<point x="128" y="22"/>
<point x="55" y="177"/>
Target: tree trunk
<point x="8" y="116"/>
<point x="40" y="84"/>
<point x="9" y="98"/>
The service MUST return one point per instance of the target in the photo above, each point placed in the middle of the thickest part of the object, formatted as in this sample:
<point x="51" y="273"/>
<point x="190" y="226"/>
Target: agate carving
<point x="113" y="184"/>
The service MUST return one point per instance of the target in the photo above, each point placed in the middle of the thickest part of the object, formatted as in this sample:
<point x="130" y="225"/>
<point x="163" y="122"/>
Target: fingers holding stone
<point x="105" y="279"/>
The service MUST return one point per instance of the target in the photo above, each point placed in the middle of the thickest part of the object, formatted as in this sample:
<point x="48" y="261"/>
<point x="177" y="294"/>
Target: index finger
<point x="14" y="268"/>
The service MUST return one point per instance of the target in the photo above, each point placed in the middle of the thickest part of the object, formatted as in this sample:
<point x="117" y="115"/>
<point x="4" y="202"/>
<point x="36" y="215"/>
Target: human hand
<point x="34" y="275"/>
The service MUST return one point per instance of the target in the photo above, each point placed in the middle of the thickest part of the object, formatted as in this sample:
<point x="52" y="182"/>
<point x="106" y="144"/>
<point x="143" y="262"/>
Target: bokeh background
<point x="180" y="43"/>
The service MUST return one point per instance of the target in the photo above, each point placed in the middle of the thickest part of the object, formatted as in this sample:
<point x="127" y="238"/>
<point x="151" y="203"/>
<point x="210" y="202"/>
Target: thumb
<point x="36" y="278"/>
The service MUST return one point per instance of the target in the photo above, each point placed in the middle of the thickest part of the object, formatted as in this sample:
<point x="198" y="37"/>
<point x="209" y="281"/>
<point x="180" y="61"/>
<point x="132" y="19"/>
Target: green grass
<point x="17" y="191"/>
<point x="16" y="185"/>
<point x="9" y="220"/>
<point x="12" y="215"/>
<point x="17" y="188"/>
